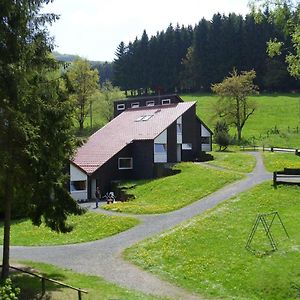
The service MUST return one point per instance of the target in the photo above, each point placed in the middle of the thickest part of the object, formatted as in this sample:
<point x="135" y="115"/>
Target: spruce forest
<point x="190" y="59"/>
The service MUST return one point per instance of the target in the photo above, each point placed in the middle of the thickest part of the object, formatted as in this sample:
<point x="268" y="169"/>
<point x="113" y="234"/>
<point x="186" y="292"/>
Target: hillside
<point x="276" y="121"/>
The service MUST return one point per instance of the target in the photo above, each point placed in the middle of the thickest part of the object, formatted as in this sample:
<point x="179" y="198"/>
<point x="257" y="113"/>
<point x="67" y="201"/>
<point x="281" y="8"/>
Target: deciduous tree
<point x="84" y="82"/>
<point x="234" y="105"/>
<point x="286" y="14"/>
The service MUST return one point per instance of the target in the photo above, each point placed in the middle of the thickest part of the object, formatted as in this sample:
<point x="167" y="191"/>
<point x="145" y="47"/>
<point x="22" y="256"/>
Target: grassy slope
<point x="282" y="111"/>
<point x="235" y="161"/>
<point x="88" y="227"/>
<point x="279" y="161"/>
<point x="96" y="287"/>
<point x="207" y="254"/>
<point x="172" y="192"/>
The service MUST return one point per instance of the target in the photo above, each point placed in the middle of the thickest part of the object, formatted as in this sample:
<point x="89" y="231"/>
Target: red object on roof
<point x="144" y="123"/>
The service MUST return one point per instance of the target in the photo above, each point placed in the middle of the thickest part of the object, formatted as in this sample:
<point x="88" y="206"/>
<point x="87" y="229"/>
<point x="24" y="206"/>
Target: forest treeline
<point x="189" y="59"/>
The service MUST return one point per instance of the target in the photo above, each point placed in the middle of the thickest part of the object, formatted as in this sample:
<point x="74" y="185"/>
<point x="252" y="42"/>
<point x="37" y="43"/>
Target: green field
<point x="96" y="287"/>
<point x="207" y="254"/>
<point x="173" y="192"/>
<point x="235" y="161"/>
<point x="278" y="161"/>
<point x="279" y="110"/>
<point x="87" y="227"/>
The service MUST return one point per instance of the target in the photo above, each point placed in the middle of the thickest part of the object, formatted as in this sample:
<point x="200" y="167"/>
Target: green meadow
<point x="87" y="227"/>
<point x="276" y="121"/>
<point x="173" y="192"/>
<point x="207" y="254"/>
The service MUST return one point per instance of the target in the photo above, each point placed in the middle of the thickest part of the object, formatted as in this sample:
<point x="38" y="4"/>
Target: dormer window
<point x="165" y="101"/>
<point x="150" y="103"/>
<point x="135" y="105"/>
<point x="121" y="106"/>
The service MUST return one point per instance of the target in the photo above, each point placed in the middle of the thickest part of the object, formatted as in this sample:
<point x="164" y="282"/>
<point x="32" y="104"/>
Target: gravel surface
<point x="103" y="257"/>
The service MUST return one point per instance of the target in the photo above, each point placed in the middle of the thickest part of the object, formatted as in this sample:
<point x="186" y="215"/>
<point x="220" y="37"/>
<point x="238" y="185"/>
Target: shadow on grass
<point x="31" y="286"/>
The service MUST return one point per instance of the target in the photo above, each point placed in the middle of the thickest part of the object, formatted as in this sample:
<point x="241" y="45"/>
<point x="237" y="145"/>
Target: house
<point x="137" y="143"/>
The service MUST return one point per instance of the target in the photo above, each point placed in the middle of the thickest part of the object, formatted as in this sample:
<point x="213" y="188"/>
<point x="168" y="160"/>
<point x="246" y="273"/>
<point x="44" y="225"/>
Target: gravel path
<point x="103" y="257"/>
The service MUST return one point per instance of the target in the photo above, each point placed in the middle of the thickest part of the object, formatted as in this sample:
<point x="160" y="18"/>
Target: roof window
<point x="144" y="118"/>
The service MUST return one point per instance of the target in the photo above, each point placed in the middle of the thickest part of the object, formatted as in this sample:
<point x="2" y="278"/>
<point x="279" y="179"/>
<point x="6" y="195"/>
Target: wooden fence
<point x="44" y="279"/>
<point x="270" y="149"/>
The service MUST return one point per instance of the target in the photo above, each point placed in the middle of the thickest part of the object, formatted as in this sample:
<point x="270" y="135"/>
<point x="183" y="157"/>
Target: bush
<point x="8" y="292"/>
<point x="221" y="135"/>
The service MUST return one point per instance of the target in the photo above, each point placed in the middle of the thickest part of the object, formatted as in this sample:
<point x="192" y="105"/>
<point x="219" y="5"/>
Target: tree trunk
<point x="8" y="196"/>
<point x="239" y="132"/>
<point x="81" y="125"/>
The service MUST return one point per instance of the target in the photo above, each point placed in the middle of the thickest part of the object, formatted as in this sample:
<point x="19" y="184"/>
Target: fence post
<point x="79" y="295"/>
<point x="274" y="179"/>
<point x="272" y="149"/>
<point x="43" y="286"/>
<point x="263" y="148"/>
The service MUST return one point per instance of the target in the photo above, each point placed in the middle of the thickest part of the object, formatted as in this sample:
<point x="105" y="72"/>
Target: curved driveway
<point x="103" y="257"/>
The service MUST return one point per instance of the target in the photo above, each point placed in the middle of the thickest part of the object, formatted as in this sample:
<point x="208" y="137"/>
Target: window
<point x="135" y="105"/>
<point x="187" y="146"/>
<point x="121" y="106"/>
<point x="179" y="128"/>
<point x="143" y="118"/>
<point x="205" y="140"/>
<point x="78" y="185"/>
<point x="125" y="163"/>
<point x="160" y="148"/>
<point x="165" y="101"/>
<point x="149" y="103"/>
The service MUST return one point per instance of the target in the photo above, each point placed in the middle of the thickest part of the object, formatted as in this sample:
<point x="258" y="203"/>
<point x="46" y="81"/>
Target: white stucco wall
<point x="161" y="157"/>
<point x="205" y="133"/>
<point x="78" y="175"/>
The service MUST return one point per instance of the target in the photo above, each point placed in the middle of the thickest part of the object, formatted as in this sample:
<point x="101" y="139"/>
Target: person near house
<point x="97" y="195"/>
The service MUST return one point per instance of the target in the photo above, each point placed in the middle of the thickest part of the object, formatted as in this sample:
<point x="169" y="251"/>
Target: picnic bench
<point x="287" y="176"/>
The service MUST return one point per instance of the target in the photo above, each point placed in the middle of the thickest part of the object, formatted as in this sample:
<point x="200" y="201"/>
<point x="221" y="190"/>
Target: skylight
<point x="143" y="118"/>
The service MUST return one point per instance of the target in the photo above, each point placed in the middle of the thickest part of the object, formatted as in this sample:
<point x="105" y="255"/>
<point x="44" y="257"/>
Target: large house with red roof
<point x="145" y="134"/>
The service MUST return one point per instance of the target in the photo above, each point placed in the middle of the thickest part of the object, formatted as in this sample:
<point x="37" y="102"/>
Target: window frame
<point x="165" y="101"/>
<point x="135" y="105"/>
<point x="187" y="146"/>
<point x="150" y="103"/>
<point x="125" y="168"/>
<point x="121" y="105"/>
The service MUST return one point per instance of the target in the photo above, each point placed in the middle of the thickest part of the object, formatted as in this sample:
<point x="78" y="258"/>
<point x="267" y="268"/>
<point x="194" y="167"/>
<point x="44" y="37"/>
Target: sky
<point x="93" y="29"/>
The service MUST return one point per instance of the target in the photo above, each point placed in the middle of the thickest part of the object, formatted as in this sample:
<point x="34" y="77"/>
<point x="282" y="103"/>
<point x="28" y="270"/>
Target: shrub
<point x="7" y="291"/>
<point x="221" y="135"/>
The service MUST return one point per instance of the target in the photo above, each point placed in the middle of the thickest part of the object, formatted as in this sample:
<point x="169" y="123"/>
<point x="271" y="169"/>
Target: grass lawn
<point x="87" y="227"/>
<point x="235" y="161"/>
<point x="173" y="192"/>
<point x="207" y="253"/>
<point x="275" y="161"/>
<point x="96" y="287"/>
<point x="280" y="110"/>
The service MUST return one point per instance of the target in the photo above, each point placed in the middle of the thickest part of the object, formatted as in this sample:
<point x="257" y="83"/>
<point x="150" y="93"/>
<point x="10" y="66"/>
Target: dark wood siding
<point x="143" y="159"/>
<point x="109" y="171"/>
<point x="143" y="101"/>
<point x="172" y="143"/>
<point x="142" y="154"/>
<point x="190" y="134"/>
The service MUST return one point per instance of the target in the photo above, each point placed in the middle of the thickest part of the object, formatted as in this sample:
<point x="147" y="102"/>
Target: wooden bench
<point x="287" y="176"/>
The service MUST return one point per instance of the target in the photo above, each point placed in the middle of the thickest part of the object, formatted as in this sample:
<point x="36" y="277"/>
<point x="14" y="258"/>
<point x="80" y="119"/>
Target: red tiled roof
<point x="124" y="129"/>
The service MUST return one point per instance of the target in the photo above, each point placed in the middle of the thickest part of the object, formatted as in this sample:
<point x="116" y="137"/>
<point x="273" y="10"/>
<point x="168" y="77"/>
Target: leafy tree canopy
<point x="36" y="140"/>
<point x="234" y="105"/>
<point x="83" y="82"/>
<point x="286" y="14"/>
